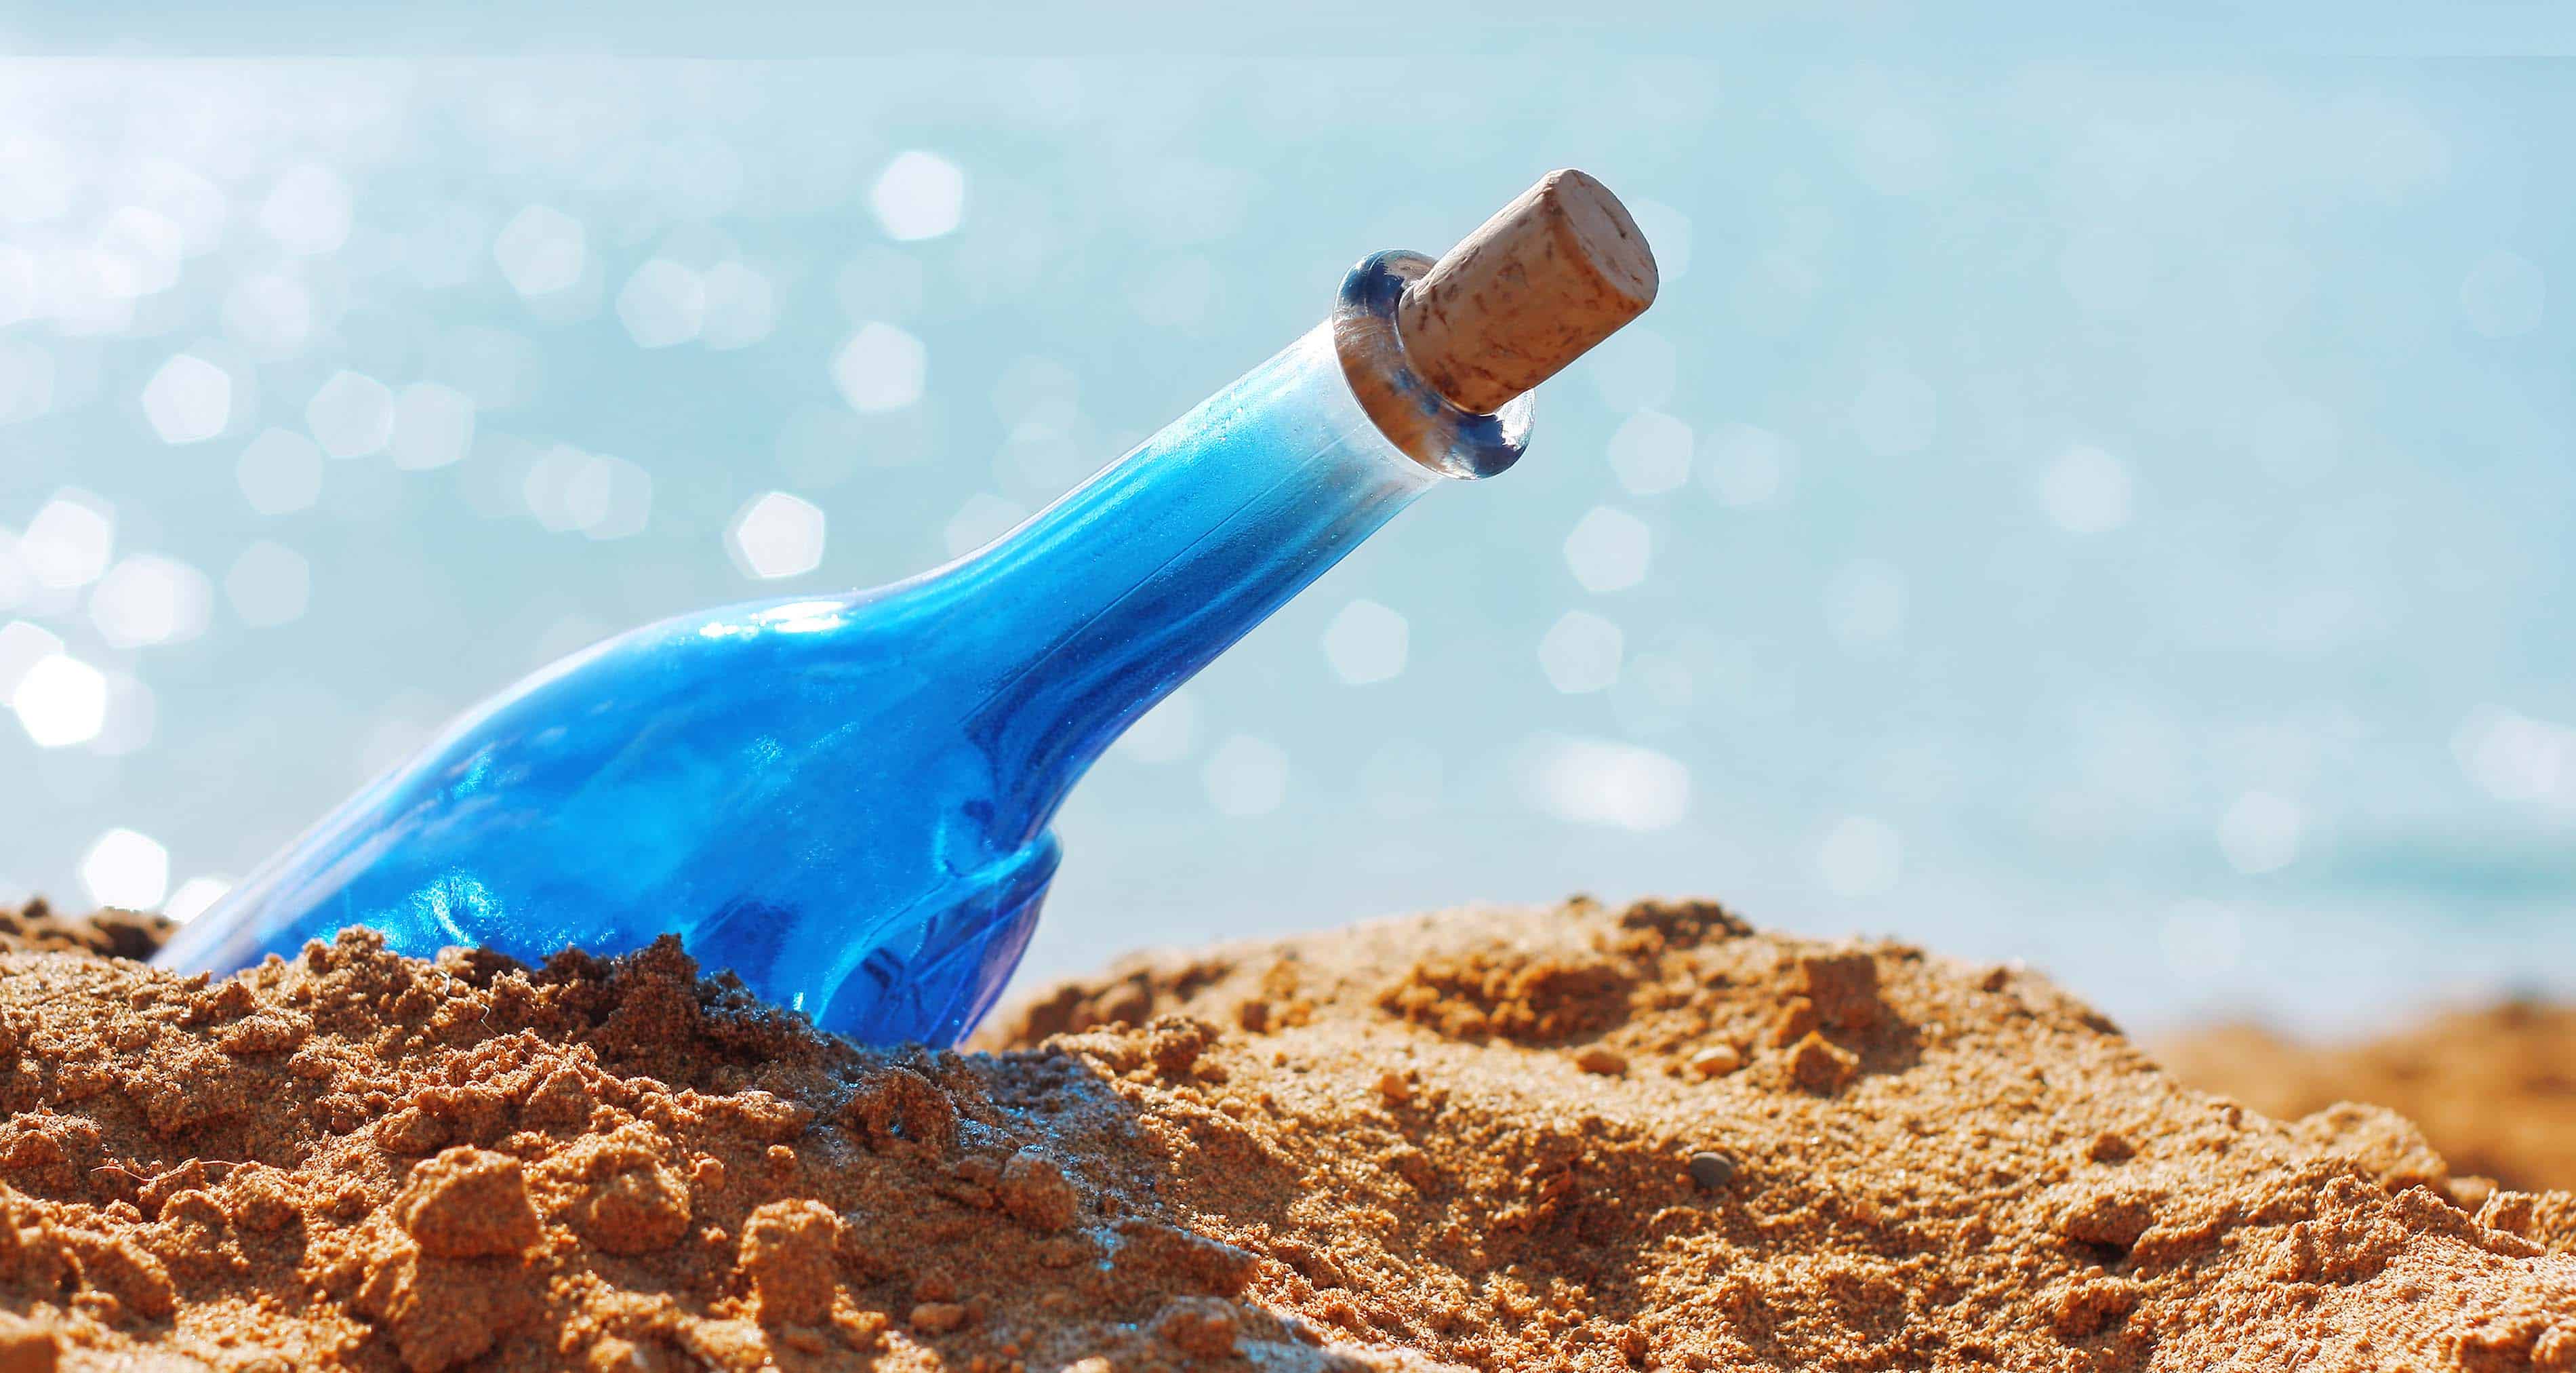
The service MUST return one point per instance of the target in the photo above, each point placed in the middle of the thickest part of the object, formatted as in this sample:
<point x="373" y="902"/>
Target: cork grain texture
<point x="1538" y="285"/>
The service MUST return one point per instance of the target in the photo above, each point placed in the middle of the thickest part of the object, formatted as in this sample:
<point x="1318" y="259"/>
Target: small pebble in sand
<point x="1711" y="1170"/>
<point x="2471" y="1192"/>
<point x="1602" y="1059"/>
<point x="1035" y="1191"/>
<point x="1395" y="1087"/>
<point x="1820" y="1066"/>
<point x="937" y="1317"/>
<point x="1203" y="1326"/>
<point x="1717" y="1060"/>
<point x="467" y="1203"/>
<point x="1798" y="1018"/>
<point x="787" y="1252"/>
<point x="1843" y="986"/>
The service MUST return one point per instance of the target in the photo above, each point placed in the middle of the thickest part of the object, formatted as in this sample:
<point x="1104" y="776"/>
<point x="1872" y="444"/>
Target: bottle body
<point x="844" y="799"/>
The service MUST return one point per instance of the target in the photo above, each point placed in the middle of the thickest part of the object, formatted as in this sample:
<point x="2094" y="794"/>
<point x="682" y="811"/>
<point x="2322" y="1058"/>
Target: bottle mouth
<point x="1426" y="425"/>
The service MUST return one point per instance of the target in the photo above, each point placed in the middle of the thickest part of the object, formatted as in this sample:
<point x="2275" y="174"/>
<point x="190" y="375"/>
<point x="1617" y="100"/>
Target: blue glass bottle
<point x="845" y="798"/>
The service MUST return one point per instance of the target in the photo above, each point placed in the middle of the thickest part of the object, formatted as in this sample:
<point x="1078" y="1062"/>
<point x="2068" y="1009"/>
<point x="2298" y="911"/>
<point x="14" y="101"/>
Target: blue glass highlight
<point x="845" y="799"/>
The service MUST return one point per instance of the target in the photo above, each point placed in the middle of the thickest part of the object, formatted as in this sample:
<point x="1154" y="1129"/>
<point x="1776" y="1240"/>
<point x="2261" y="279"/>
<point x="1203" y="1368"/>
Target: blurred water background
<point x="2114" y="513"/>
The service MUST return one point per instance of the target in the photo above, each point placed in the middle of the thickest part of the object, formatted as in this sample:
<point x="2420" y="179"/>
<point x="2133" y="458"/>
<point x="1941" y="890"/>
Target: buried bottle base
<point x="938" y="990"/>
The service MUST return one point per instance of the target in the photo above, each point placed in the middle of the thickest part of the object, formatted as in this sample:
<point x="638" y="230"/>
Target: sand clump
<point x="1503" y="1140"/>
<point x="36" y="928"/>
<point x="2493" y="1087"/>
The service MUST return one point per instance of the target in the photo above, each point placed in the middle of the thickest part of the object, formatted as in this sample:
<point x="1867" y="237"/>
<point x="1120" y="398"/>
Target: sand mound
<point x="2494" y="1088"/>
<point x="1570" y="1138"/>
<point x="34" y="928"/>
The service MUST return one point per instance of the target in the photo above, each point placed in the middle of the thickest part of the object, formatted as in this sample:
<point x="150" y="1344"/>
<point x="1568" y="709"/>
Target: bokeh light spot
<point x="541" y="250"/>
<point x="880" y="368"/>
<point x="126" y="869"/>
<point x="308" y="210"/>
<point x="1861" y="856"/>
<point x="67" y="544"/>
<point x="433" y="426"/>
<point x="189" y="400"/>
<point x="1580" y="653"/>
<point x="138" y="252"/>
<point x="1366" y="642"/>
<point x="1609" y="549"/>
<point x="663" y="304"/>
<point x="1651" y="453"/>
<point x="2260" y="833"/>
<point x="269" y="584"/>
<point x="593" y="494"/>
<point x="23" y="644"/>
<point x="1747" y="466"/>
<point x="1610" y="784"/>
<point x="2086" y="491"/>
<point x="1245" y="776"/>
<point x="351" y="416"/>
<point x="270" y="314"/>
<point x="60" y="701"/>
<point x="776" y="535"/>
<point x="149" y="599"/>
<point x="280" y="472"/>
<point x="741" y="307"/>
<point x="919" y="195"/>
<point x="2509" y="755"/>
<point x="195" y="895"/>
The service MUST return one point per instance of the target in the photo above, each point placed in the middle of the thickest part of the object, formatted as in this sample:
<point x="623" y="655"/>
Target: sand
<point x="2494" y="1087"/>
<point x="1576" y="1137"/>
<point x="36" y="928"/>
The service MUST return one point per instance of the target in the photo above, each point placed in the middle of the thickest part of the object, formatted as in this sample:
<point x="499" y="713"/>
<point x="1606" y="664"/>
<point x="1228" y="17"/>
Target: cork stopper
<point x="1550" y="275"/>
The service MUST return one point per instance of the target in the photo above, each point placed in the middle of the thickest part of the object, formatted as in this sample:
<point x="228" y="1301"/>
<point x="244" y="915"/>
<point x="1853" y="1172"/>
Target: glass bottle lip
<point x="1425" y="425"/>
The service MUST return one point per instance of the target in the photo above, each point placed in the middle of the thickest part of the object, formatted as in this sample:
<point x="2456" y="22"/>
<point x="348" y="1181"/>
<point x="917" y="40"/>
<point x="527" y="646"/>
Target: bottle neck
<point x="1103" y="603"/>
<point x="1125" y="588"/>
